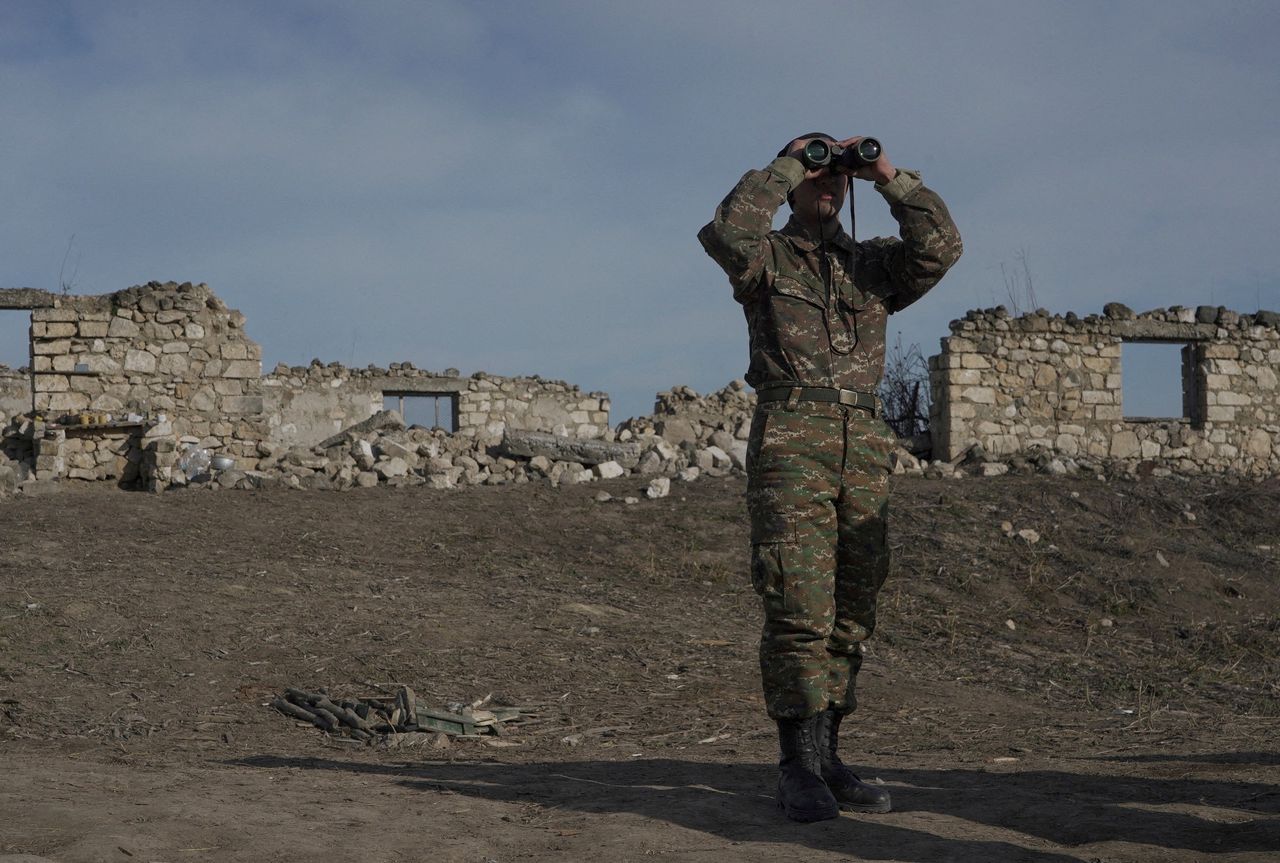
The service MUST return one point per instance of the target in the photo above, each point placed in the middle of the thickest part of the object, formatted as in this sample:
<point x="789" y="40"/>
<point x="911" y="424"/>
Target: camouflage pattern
<point x="817" y="474"/>
<point x="798" y="333"/>
<point x="818" y="496"/>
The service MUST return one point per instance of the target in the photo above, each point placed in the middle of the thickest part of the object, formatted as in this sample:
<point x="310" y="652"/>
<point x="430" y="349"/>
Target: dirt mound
<point x="1101" y="657"/>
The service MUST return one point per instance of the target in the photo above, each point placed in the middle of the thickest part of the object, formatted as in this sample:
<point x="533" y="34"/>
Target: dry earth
<point x="1108" y="693"/>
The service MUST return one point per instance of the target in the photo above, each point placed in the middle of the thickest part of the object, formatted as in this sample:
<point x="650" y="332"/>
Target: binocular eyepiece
<point x="820" y="153"/>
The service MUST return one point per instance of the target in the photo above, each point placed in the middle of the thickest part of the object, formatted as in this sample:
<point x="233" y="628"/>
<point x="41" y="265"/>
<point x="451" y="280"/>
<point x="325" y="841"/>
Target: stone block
<point x="202" y="400"/>
<point x="176" y="347"/>
<point x="1220" y="414"/>
<point x="1125" y="444"/>
<point x="233" y="351"/>
<point x="242" y="405"/>
<point x="101" y="363"/>
<point x="173" y="365"/>
<point x="979" y="395"/>
<point x="52" y="384"/>
<point x="609" y="470"/>
<point x="1258" y="444"/>
<point x="141" y="362"/>
<point x="658" y="487"/>
<point x="68" y="401"/>
<point x="41" y="347"/>
<point x="93" y="329"/>
<point x="1263" y="376"/>
<point x="242" y="369"/>
<point x="122" y="328"/>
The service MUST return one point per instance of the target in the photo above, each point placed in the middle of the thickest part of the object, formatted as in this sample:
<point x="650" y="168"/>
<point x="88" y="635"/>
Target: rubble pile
<point x="382" y="451"/>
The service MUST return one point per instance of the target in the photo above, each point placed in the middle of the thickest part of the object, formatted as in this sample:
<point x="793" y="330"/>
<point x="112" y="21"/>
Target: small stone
<point x="603" y="497"/>
<point x="1188" y="515"/>
<point x="1031" y="536"/>
<point x="1160" y="559"/>
<point x="1105" y="623"/>
<point x="658" y="487"/>
<point x="1011" y="625"/>
<point x="391" y="468"/>
<point x="1006" y="527"/>
<point x="630" y="500"/>
<point x="609" y="470"/>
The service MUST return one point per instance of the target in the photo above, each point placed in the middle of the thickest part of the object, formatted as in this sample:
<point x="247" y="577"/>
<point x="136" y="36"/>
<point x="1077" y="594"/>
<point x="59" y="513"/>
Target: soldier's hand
<point x="880" y="171"/>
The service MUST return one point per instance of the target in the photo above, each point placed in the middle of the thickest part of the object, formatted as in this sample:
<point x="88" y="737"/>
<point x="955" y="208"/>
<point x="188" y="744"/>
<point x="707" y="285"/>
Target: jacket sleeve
<point x="738" y="237"/>
<point x="929" y="245"/>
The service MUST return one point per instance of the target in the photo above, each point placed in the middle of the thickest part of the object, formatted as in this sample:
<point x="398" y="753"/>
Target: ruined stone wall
<point x="15" y="393"/>
<point x="1044" y="382"/>
<point x="168" y="356"/>
<point x="304" y="405"/>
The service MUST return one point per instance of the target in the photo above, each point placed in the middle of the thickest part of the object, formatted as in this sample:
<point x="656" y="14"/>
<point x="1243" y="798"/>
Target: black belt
<point x="830" y="395"/>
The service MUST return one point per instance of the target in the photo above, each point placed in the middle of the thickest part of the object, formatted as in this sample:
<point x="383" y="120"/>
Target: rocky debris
<point x="526" y="444"/>
<point x="381" y="421"/>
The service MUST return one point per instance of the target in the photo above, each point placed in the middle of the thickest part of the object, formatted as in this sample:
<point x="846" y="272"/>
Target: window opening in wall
<point x="15" y="339"/>
<point x="429" y="410"/>
<point x="1158" y="380"/>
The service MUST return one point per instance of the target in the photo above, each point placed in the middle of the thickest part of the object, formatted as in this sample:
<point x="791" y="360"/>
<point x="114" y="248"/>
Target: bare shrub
<point x="904" y="391"/>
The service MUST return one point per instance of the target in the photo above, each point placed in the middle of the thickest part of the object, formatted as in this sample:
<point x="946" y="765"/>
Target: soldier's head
<point x="819" y="198"/>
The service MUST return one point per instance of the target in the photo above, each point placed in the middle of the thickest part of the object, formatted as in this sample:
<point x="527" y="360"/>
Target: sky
<point x="516" y="187"/>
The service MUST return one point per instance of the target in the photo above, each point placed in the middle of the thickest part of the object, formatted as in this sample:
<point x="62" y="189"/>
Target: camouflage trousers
<point x="818" y="496"/>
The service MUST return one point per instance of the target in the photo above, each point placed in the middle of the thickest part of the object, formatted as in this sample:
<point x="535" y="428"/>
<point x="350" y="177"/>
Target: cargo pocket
<point x="766" y="568"/>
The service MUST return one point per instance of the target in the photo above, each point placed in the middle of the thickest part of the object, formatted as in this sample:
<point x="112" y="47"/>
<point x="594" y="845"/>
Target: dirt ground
<point x="1110" y="692"/>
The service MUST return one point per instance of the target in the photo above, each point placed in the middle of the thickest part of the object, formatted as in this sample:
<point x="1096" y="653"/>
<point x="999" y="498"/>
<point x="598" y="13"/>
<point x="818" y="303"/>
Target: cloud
<point x="516" y="187"/>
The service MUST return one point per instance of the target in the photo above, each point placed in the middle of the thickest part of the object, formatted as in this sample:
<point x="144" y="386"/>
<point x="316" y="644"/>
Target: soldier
<point x="816" y="304"/>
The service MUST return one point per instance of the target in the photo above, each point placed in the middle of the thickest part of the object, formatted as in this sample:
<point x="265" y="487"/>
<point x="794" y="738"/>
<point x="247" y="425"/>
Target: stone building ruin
<point x="124" y="386"/>
<point x="120" y="384"/>
<point x="1050" y="383"/>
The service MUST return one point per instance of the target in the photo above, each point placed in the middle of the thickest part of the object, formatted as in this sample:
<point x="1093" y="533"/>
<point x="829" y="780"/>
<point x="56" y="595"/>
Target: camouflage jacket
<point x="799" y="334"/>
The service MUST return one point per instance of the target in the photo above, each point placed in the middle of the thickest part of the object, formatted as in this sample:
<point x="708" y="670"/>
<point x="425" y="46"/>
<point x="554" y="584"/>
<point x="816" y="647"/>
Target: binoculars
<point x="820" y="153"/>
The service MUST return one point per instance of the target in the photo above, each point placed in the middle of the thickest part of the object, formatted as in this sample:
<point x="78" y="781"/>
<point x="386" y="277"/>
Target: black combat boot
<point x="850" y="792"/>
<point x="801" y="792"/>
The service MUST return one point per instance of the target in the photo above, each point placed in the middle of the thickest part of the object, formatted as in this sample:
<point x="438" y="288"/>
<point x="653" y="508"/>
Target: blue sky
<point x="516" y="187"/>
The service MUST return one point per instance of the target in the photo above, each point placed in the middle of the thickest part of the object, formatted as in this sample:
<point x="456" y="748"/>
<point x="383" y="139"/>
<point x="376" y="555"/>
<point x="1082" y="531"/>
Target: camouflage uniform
<point x="817" y="487"/>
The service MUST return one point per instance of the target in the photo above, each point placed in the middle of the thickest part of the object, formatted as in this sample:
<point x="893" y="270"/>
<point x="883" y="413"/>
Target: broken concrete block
<point x="658" y="487"/>
<point x="609" y="470"/>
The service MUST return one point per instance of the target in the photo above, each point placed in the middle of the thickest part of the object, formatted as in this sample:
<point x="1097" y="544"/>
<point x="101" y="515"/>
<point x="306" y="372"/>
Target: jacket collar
<point x="806" y="240"/>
